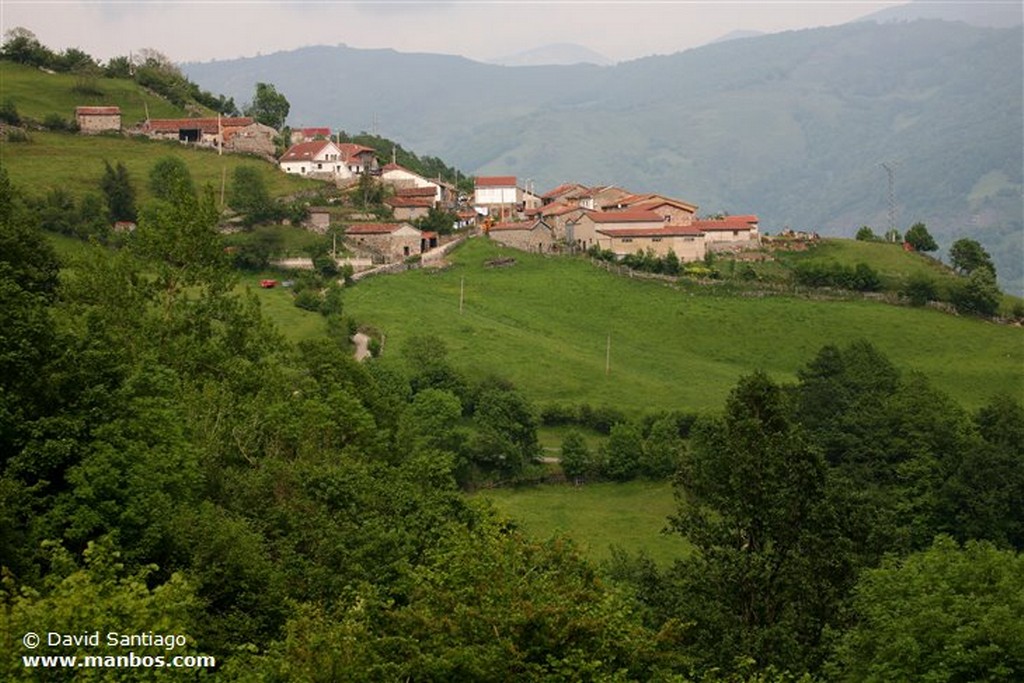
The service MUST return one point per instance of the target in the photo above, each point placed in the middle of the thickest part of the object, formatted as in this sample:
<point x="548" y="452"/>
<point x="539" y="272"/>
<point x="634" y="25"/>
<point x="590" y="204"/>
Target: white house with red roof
<point x="359" y="158"/>
<point x="498" y="194"/>
<point x="316" y="159"/>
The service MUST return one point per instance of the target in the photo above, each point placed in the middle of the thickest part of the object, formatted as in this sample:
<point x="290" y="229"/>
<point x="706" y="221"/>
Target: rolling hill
<point x="792" y="126"/>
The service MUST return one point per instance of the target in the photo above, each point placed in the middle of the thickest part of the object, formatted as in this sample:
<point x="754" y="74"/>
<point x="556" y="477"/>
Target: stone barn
<point x="534" y="235"/>
<point x="391" y="241"/>
<point x="92" y="120"/>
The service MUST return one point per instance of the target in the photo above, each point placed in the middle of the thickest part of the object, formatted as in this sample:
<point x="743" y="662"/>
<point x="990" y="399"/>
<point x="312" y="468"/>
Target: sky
<point x="203" y="30"/>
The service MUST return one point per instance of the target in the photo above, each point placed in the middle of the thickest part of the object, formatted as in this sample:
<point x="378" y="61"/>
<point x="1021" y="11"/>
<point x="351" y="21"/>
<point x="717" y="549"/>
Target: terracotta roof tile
<point x="496" y="181"/>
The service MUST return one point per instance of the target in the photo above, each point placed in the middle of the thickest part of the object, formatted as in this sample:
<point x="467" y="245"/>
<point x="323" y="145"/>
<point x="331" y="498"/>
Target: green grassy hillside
<point x="36" y="94"/>
<point x="545" y="322"/>
<point x="43" y="162"/>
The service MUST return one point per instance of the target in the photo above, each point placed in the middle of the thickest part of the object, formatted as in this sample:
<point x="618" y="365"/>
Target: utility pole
<point x="608" y="356"/>
<point x="462" y="293"/>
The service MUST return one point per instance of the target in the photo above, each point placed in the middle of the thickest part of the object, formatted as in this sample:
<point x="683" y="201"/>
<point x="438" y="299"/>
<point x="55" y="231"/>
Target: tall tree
<point x="170" y="177"/>
<point x="770" y="561"/>
<point x="920" y="239"/>
<point x="249" y="196"/>
<point x="968" y="255"/>
<point x="268" y="106"/>
<point x="119" y="193"/>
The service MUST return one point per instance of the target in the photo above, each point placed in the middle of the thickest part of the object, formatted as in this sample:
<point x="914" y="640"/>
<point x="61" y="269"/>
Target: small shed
<point x="93" y="120"/>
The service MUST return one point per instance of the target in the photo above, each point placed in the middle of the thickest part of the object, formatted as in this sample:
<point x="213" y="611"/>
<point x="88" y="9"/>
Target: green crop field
<point x="629" y="515"/>
<point x="545" y="323"/>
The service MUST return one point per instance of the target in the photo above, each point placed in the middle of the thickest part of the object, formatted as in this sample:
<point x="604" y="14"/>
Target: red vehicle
<point x="267" y="284"/>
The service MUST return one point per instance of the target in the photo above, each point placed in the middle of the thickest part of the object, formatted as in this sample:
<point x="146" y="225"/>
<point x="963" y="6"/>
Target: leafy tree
<point x="968" y="255"/>
<point x="431" y="422"/>
<point x="268" y="106"/>
<point x="438" y="220"/>
<point x="920" y="289"/>
<point x="944" y="614"/>
<point x="978" y="294"/>
<point x="623" y="452"/>
<point x="170" y="177"/>
<point x="21" y="45"/>
<point x="118" y="67"/>
<point x="119" y="193"/>
<point x="255" y="251"/>
<point x="575" y="460"/>
<point x="102" y="596"/>
<point x="662" y="449"/>
<point x="920" y="239"/>
<point x="771" y="565"/>
<point x="248" y="196"/>
<point x="506" y="437"/>
<point x="865" y="234"/>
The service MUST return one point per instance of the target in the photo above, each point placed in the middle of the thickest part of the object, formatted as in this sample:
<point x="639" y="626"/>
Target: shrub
<point x="308" y="299"/>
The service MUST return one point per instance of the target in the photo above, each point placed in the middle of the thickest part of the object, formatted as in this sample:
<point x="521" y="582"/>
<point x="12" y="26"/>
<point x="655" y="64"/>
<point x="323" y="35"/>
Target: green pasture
<point x="37" y="94"/>
<point x="629" y="515"/>
<point x="545" y="323"/>
<point x="893" y="265"/>
<point x="75" y="163"/>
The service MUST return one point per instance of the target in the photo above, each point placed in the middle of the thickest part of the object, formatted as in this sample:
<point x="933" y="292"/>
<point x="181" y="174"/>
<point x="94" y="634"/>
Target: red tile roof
<point x="624" y="216"/>
<point x="520" y="225"/>
<point x="410" y="202"/>
<point x="313" y="132"/>
<point x="351" y="149"/>
<point x="98" y="111"/>
<point x="728" y="223"/>
<point x="373" y="228"/>
<point x="496" y="181"/>
<point x="207" y="125"/>
<point x="667" y="231"/>
<point x="416" y="192"/>
<point x="305" y="151"/>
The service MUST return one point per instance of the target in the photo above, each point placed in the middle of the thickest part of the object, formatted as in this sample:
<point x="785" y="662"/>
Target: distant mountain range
<point x="792" y="126"/>
<point x="558" y="54"/>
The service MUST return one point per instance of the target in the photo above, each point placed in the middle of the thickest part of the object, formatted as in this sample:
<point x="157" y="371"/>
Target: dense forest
<point x="172" y="465"/>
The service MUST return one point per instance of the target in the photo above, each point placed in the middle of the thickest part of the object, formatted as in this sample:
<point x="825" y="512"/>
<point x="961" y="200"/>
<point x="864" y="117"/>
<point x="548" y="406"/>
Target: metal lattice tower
<point x="890" y="170"/>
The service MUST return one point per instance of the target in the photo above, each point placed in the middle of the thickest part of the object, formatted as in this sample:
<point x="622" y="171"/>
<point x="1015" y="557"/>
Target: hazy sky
<point x="200" y="30"/>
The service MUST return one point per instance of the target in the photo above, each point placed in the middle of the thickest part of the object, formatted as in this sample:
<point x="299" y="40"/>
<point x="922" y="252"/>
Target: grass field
<point x="43" y="163"/>
<point x="36" y="94"/>
<point x="630" y="515"/>
<point x="545" y="324"/>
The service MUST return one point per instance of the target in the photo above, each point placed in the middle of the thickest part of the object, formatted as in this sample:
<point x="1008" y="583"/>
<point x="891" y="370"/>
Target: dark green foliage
<point x="268" y="106"/>
<point x="575" y="456"/>
<point x="944" y="614"/>
<point x="968" y="255"/>
<point x="506" y="436"/>
<point x="861" y="278"/>
<point x="254" y="252"/>
<point x="9" y="113"/>
<point x="662" y="449"/>
<point x="119" y="193"/>
<point x="248" y="195"/>
<point x="438" y="220"/>
<point x="623" y="452"/>
<point x="920" y="239"/>
<point x="755" y="501"/>
<point x="170" y="177"/>
<point x="865" y="234"/>
<point x="977" y="294"/>
<point x="920" y="289"/>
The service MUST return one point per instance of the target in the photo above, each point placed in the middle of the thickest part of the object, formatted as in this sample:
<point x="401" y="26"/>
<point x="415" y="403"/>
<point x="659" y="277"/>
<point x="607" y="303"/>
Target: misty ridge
<point x="791" y="126"/>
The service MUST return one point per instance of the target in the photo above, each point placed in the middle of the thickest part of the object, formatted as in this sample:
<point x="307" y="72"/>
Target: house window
<point x="627" y="239"/>
<point x="655" y="239"/>
<point x="319" y="167"/>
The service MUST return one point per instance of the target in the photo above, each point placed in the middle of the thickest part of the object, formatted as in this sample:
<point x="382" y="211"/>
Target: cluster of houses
<point x="570" y="217"/>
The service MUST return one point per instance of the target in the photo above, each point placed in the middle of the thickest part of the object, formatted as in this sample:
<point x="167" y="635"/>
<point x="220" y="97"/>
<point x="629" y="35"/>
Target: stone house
<point x="410" y="208"/>
<point x="93" y="120"/>
<point x="686" y="241"/>
<point x="319" y="220"/>
<point x="359" y="158"/>
<point x="730" y="233"/>
<point x="213" y="131"/>
<point x="391" y="241"/>
<point x="582" y="231"/>
<point x="309" y="135"/>
<point x="558" y="216"/>
<point x="674" y="211"/>
<point x="534" y="235"/>
<point x="404" y="180"/>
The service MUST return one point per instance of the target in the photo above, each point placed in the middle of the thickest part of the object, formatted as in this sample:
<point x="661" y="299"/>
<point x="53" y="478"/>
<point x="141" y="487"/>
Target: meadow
<point x="547" y="324"/>
<point x="629" y="515"/>
<point x="75" y="163"/>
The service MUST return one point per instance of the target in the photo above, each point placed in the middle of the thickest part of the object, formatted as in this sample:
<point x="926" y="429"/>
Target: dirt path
<point x="362" y="343"/>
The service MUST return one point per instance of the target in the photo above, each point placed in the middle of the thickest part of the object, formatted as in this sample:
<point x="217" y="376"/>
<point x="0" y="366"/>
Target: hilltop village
<point x="571" y="217"/>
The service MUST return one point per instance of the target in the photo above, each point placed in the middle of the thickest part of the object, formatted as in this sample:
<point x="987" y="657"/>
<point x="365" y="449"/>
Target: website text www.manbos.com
<point x="128" y="661"/>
